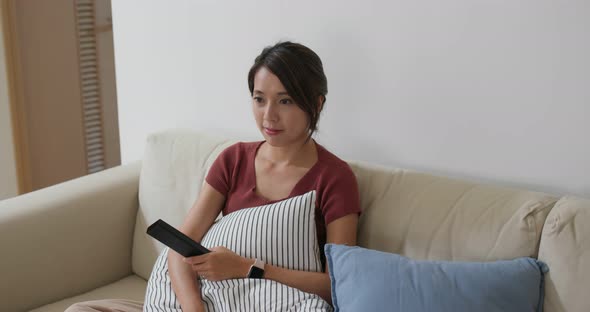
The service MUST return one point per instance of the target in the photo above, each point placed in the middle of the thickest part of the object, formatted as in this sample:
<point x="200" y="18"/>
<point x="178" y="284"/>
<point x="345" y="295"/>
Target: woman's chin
<point x="273" y="141"/>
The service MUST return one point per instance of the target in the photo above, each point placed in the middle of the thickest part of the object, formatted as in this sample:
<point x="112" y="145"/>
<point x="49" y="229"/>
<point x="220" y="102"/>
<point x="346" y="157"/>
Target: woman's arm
<point x="198" y="221"/>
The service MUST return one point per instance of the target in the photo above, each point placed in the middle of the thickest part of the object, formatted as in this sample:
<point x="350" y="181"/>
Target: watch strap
<point x="256" y="269"/>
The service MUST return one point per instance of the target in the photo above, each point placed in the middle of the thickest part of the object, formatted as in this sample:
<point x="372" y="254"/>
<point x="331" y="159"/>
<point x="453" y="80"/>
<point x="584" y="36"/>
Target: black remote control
<point x="175" y="239"/>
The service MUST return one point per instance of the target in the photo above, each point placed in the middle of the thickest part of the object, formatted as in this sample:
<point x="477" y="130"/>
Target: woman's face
<point x="279" y="119"/>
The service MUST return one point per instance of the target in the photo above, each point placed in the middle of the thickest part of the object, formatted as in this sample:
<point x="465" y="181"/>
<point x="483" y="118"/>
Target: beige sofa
<point x="85" y="239"/>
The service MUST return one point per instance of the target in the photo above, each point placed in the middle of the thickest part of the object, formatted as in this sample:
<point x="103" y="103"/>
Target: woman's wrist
<point x="244" y="269"/>
<point x="201" y="306"/>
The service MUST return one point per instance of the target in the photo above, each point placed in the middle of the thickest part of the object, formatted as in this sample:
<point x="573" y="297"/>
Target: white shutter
<point x="90" y="86"/>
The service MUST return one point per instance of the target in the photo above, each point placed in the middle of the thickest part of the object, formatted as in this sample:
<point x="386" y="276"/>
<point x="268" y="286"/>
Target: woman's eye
<point x="286" y="101"/>
<point x="258" y="99"/>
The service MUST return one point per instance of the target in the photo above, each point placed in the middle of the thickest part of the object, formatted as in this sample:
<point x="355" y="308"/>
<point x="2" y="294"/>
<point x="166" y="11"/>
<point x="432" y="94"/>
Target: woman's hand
<point x="220" y="264"/>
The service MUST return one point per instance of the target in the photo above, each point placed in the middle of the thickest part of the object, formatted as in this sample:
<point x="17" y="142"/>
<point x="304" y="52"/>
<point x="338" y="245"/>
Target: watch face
<point x="256" y="272"/>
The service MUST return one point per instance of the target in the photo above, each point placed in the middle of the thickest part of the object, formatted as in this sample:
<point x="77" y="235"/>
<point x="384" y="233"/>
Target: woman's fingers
<point x="219" y="248"/>
<point x="196" y="259"/>
<point x="216" y="265"/>
<point x="201" y="268"/>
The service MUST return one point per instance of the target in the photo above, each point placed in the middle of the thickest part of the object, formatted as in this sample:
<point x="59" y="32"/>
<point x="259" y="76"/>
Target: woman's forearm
<point x="311" y="282"/>
<point x="184" y="283"/>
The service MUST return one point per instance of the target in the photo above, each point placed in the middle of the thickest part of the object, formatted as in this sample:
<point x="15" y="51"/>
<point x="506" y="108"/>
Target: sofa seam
<point x="548" y="205"/>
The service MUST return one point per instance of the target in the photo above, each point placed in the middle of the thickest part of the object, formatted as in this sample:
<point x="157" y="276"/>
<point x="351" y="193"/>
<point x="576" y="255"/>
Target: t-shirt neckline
<point x="292" y="193"/>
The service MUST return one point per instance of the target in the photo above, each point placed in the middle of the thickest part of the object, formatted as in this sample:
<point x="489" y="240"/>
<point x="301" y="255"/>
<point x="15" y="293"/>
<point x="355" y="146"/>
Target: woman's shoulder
<point x="236" y="153"/>
<point x="239" y="148"/>
<point x="330" y="162"/>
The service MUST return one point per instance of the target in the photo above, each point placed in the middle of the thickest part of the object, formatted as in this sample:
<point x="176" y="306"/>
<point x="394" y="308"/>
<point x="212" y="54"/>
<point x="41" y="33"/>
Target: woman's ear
<point x="321" y="100"/>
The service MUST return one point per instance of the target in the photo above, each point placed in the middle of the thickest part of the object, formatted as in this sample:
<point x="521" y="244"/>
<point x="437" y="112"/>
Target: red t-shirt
<point x="233" y="174"/>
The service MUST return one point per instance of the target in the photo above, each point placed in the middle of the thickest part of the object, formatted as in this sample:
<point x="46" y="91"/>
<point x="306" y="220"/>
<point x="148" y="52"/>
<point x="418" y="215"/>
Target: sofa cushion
<point x="370" y="280"/>
<point x="173" y="170"/>
<point x="428" y="217"/>
<point x="565" y="247"/>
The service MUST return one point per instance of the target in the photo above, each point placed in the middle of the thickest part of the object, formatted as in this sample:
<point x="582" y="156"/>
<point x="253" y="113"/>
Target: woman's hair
<point x="300" y="70"/>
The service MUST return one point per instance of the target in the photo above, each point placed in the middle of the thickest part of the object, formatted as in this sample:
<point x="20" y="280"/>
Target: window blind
<point x="90" y="86"/>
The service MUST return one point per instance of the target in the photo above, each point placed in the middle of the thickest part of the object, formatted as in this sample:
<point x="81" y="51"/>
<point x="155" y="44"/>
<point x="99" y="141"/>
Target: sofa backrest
<point x="414" y="214"/>
<point x="436" y="218"/>
<point x="173" y="169"/>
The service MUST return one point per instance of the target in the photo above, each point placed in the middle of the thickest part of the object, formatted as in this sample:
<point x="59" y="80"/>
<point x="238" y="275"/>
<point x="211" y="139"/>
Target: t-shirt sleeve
<point x="222" y="169"/>
<point x="341" y="195"/>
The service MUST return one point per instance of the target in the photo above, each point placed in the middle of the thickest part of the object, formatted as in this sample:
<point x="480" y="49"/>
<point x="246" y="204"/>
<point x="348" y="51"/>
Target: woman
<point x="288" y="88"/>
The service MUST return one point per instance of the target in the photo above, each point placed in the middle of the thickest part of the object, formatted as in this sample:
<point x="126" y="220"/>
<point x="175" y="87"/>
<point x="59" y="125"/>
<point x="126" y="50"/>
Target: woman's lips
<point x="270" y="131"/>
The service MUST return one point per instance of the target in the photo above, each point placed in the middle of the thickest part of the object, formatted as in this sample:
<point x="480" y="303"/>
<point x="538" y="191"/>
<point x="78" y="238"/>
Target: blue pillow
<point x="370" y="280"/>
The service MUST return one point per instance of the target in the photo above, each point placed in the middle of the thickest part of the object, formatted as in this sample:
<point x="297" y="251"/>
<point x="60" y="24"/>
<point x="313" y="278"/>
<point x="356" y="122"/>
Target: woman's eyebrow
<point x="278" y="93"/>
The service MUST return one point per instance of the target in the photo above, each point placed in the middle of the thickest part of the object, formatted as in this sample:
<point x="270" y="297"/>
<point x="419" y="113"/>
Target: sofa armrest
<point x="565" y="247"/>
<point x="68" y="238"/>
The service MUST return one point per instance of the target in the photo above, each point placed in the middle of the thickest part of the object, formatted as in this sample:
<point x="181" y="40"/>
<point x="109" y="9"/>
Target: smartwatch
<point x="257" y="269"/>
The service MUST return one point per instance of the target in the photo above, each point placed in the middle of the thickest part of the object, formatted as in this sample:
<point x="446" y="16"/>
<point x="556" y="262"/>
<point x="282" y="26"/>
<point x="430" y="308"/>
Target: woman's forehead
<point x="266" y="82"/>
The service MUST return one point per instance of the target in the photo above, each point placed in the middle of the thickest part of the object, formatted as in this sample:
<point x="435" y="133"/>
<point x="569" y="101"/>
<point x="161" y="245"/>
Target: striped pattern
<point x="90" y="86"/>
<point x="159" y="295"/>
<point x="282" y="234"/>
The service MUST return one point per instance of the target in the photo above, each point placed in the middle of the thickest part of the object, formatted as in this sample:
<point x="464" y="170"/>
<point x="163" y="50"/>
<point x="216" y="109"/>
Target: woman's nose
<point x="270" y="112"/>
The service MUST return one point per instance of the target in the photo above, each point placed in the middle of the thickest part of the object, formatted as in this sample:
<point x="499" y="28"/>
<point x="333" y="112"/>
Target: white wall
<point x="495" y="91"/>
<point x="8" y="181"/>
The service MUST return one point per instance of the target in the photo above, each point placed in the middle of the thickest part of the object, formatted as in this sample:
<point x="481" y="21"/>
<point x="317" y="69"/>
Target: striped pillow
<point x="282" y="234"/>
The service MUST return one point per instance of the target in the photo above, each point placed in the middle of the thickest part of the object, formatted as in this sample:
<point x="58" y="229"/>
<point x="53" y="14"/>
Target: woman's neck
<point x="295" y="154"/>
